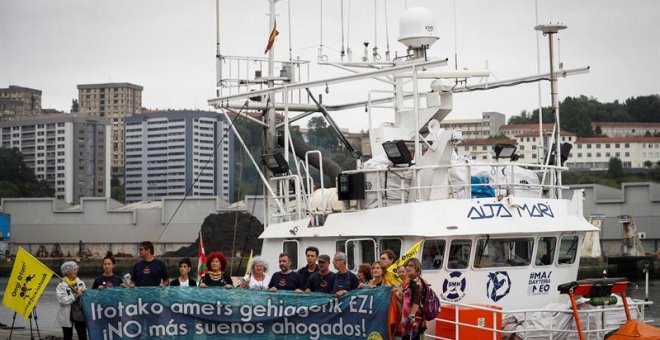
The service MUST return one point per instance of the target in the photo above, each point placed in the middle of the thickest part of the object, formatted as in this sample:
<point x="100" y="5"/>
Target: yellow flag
<point x="247" y="269"/>
<point x="27" y="281"/>
<point x="391" y="276"/>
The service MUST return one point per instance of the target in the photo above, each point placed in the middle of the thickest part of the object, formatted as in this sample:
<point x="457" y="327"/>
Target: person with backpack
<point x="413" y="323"/>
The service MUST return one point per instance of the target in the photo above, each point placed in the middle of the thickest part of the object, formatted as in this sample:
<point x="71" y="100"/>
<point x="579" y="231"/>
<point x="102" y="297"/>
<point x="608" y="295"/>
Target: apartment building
<point x="17" y="102"/>
<point x="169" y="152"/>
<point x="512" y="130"/>
<point x="71" y="152"/>
<point x="487" y="126"/>
<point x="623" y="129"/>
<point x="481" y="149"/>
<point x="113" y="101"/>
<point x="594" y="153"/>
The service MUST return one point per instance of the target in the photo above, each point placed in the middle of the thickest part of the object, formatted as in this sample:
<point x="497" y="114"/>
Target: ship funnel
<point x="417" y="29"/>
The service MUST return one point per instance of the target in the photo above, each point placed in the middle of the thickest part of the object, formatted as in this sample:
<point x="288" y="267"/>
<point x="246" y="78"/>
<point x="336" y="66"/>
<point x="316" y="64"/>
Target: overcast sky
<point x="168" y="46"/>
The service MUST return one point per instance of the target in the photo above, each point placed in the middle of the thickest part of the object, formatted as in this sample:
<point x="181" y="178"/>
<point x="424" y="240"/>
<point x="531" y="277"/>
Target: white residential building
<point x="623" y="129"/>
<point x="487" y="126"/>
<point x="169" y="151"/>
<point x="480" y="149"/>
<point x="71" y="152"/>
<point x="594" y="153"/>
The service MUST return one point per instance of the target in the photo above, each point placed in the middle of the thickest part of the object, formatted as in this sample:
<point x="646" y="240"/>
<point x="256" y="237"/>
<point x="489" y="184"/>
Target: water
<point x="47" y="306"/>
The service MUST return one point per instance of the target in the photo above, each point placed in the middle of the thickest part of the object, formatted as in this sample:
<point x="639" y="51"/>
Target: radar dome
<point x="417" y="28"/>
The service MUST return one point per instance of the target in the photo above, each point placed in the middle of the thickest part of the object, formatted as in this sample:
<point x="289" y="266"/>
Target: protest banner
<point x="29" y="277"/>
<point x="205" y="313"/>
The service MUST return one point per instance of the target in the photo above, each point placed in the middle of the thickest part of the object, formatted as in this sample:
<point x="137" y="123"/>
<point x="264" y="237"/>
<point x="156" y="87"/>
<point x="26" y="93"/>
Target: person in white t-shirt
<point x="184" y="280"/>
<point x="259" y="278"/>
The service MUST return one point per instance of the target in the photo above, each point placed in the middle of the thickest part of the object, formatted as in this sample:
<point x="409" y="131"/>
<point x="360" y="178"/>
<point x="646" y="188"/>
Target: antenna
<point x="551" y="30"/>
<point x="455" y="40"/>
<point x="538" y="84"/>
<point x="343" y="50"/>
<point x="218" y="56"/>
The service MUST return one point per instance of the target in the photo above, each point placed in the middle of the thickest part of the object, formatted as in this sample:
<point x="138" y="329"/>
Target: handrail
<point x="546" y="333"/>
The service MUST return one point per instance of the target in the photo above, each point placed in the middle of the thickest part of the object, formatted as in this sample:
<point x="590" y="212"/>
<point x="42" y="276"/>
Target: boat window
<point x="432" y="254"/>
<point x="360" y="251"/>
<point x="459" y="254"/>
<point x="340" y="246"/>
<point x="509" y="252"/>
<point x="567" y="250"/>
<point x="393" y="244"/>
<point x="291" y="248"/>
<point x="545" y="251"/>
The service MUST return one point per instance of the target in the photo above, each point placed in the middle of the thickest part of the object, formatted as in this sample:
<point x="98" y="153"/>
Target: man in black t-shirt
<point x="150" y="271"/>
<point x="323" y="280"/>
<point x="311" y="253"/>
<point x="286" y="279"/>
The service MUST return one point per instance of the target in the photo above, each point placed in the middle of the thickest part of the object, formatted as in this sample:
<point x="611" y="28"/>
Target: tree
<point x="598" y="132"/>
<point x="117" y="190"/>
<point x="648" y="164"/>
<point x="17" y="179"/>
<point x="321" y="136"/>
<point x="75" y="107"/>
<point x="615" y="168"/>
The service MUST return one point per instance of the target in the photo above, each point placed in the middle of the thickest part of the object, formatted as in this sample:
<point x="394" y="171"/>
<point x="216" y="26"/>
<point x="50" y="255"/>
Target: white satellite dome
<point x="417" y="28"/>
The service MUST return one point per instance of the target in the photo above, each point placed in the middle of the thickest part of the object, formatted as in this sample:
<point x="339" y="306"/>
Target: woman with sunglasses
<point x="412" y="324"/>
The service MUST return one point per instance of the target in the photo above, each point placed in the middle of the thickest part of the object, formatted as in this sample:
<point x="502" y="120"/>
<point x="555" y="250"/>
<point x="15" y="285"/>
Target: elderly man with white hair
<point x="344" y="280"/>
<point x="69" y="291"/>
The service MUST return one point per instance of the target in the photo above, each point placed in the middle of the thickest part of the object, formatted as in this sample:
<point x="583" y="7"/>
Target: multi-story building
<point x="17" y="102"/>
<point x="512" y="130"/>
<point x="114" y="101"/>
<point x="487" y="126"/>
<point x="480" y="149"/>
<point x="594" y="153"/>
<point x="176" y="153"/>
<point x="71" y="152"/>
<point x="530" y="142"/>
<point x="623" y="129"/>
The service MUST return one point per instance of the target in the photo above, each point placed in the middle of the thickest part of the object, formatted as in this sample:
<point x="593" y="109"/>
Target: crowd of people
<point x="407" y="286"/>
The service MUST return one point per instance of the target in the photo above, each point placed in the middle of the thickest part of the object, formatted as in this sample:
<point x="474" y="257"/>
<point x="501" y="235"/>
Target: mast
<point x="269" y="131"/>
<point x="550" y="30"/>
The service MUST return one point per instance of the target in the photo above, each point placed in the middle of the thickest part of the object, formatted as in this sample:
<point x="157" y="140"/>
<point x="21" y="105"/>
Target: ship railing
<point x="290" y="192"/>
<point x="490" y="321"/>
<point x="380" y="191"/>
<point x="242" y="74"/>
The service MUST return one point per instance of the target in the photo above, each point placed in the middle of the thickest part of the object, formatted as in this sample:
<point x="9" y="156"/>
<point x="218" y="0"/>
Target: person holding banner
<point x="150" y="271"/>
<point x="108" y="279"/>
<point x="378" y="278"/>
<point x="412" y="324"/>
<point x="184" y="280"/>
<point x="69" y="292"/>
<point x="258" y="279"/>
<point x="344" y="280"/>
<point x="285" y="279"/>
<point x="311" y="253"/>
<point x="323" y="280"/>
<point x="217" y="275"/>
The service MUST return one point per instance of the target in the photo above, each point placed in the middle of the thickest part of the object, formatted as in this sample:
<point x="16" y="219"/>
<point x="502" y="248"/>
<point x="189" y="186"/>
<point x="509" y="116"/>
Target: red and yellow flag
<point x="271" y="38"/>
<point x="29" y="277"/>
